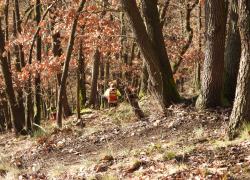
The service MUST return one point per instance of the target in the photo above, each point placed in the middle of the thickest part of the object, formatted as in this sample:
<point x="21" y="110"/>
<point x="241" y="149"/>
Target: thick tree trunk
<point x="17" y="124"/>
<point x="214" y="56"/>
<point x="62" y="89"/>
<point x="232" y="54"/>
<point x="95" y="72"/>
<point x="153" y="49"/>
<point x="241" y="107"/>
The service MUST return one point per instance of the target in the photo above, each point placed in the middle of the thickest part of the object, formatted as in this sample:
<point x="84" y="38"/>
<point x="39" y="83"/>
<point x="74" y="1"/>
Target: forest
<point x="124" y="89"/>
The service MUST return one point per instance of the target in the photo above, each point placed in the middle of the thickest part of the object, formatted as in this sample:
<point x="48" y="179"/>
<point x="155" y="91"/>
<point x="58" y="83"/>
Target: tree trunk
<point x="62" y="89"/>
<point x="106" y="78"/>
<point x="101" y="85"/>
<point x="134" y="104"/>
<point x="6" y="28"/>
<point x="95" y="73"/>
<point x="152" y="47"/>
<point x="189" y="30"/>
<point x="6" y="115"/>
<point x="55" y="48"/>
<point x="132" y="52"/>
<point x="28" y="109"/>
<point x="37" y="92"/>
<point x="78" y="87"/>
<point x="232" y="54"/>
<point x="241" y="107"/>
<point x="18" y="29"/>
<point x="198" y="76"/>
<point x="214" y="57"/>
<point x="17" y="124"/>
<point x="82" y="84"/>
<point x="144" y="81"/>
<point x="18" y="69"/>
<point x="197" y="81"/>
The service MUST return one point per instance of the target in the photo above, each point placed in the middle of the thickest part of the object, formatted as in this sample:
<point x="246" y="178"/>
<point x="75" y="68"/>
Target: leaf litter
<point x="106" y="146"/>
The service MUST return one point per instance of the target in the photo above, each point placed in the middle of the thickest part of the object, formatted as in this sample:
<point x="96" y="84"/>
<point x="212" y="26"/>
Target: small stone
<point x="157" y="123"/>
<point x="60" y="143"/>
<point x="71" y="150"/>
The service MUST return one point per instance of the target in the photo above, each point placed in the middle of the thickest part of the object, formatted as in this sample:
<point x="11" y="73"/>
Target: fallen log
<point x="134" y="104"/>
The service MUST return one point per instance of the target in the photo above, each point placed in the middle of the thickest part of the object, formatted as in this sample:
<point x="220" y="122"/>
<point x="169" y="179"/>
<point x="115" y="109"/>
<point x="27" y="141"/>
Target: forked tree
<point x="152" y="47"/>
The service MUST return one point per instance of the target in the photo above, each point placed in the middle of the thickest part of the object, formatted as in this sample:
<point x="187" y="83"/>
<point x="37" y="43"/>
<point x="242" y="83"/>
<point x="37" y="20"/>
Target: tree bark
<point x="106" y="78"/>
<point x="152" y="47"/>
<point x="134" y="104"/>
<point x="6" y="114"/>
<point x="6" y="28"/>
<point x="62" y="88"/>
<point x="101" y="85"/>
<point x="18" y="69"/>
<point x="132" y="55"/>
<point x="78" y="87"/>
<point x="18" y="29"/>
<point x="197" y="81"/>
<point x="95" y="73"/>
<point x="241" y="107"/>
<point x="17" y="124"/>
<point x="210" y="95"/>
<point x="232" y="54"/>
<point x="144" y="81"/>
<point x="37" y="92"/>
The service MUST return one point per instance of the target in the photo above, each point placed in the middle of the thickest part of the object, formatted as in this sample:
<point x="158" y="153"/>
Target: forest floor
<point x="111" y="144"/>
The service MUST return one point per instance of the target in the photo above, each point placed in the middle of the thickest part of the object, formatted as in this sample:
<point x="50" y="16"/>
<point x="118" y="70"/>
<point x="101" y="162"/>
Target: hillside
<point x="112" y="144"/>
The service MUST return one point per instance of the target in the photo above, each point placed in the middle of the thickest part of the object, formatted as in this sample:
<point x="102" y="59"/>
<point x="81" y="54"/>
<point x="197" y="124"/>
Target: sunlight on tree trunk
<point x="241" y="107"/>
<point x="95" y="72"/>
<point x="210" y="95"/>
<point x="232" y="54"/>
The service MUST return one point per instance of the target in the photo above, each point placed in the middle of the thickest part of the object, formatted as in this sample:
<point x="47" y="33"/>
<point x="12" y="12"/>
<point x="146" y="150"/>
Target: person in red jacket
<point x="111" y="95"/>
<point x="53" y="111"/>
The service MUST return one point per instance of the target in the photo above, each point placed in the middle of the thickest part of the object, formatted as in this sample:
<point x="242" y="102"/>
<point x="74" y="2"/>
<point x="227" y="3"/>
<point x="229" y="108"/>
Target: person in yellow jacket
<point x="111" y="94"/>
